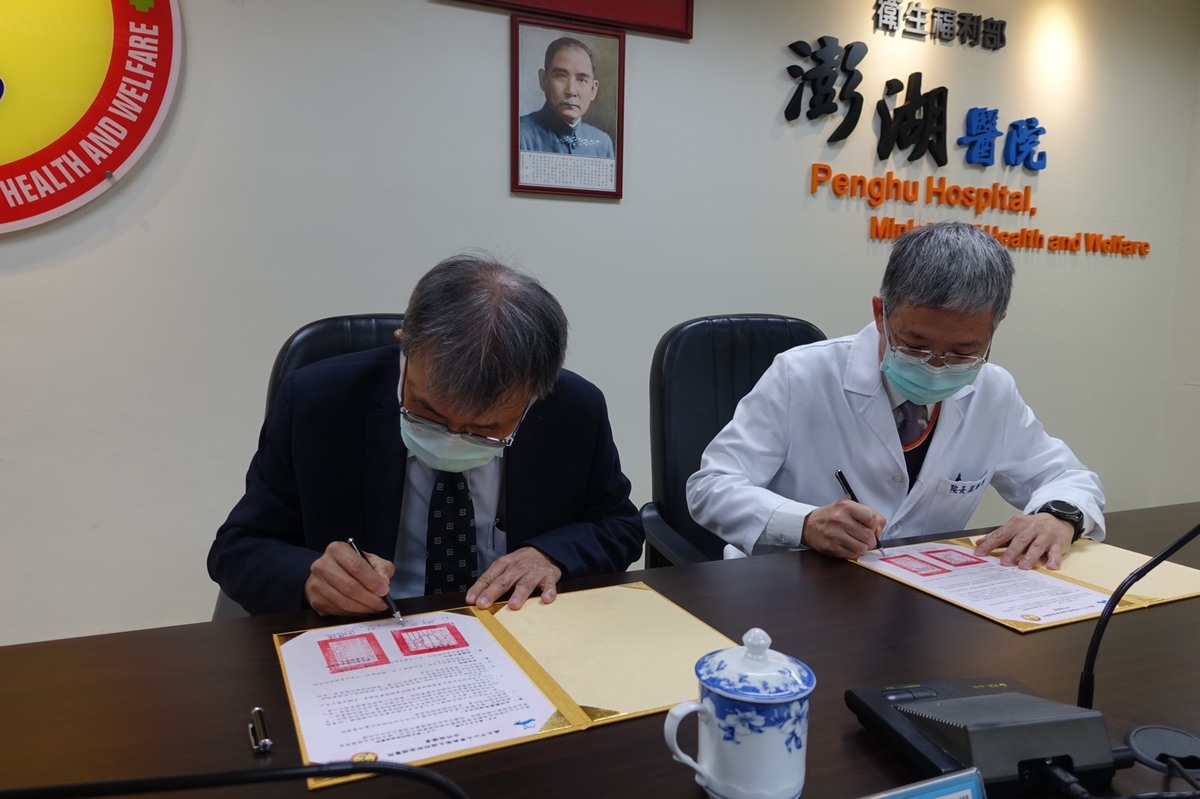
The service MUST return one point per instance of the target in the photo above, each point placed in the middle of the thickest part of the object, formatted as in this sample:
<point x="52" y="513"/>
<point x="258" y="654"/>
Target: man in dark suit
<point x="466" y="458"/>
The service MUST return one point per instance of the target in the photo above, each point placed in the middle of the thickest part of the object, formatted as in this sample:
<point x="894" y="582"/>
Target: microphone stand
<point x="1087" y="678"/>
<point x="1159" y="748"/>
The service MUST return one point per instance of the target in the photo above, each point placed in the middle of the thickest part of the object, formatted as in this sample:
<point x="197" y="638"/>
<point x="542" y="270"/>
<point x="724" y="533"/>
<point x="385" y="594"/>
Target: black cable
<point x="1087" y="678"/>
<point x="1183" y="772"/>
<point x="1066" y="783"/>
<point x="190" y="781"/>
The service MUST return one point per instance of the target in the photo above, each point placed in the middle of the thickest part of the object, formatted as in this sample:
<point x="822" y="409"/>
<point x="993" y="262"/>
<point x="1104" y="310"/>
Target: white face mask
<point x="439" y="448"/>
<point x="919" y="381"/>
<point x="444" y="451"/>
<point x="922" y="383"/>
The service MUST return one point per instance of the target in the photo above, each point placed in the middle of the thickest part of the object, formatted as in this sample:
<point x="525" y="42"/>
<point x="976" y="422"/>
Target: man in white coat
<point x="914" y="418"/>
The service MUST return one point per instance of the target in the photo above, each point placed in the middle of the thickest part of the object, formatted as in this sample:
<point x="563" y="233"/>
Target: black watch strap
<point x="1061" y="509"/>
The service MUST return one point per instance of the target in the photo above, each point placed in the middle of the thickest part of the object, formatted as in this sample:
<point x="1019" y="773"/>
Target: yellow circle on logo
<point x="55" y="57"/>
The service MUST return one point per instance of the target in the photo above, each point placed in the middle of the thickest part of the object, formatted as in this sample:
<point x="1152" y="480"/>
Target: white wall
<point x="320" y="156"/>
<point x="1178" y="451"/>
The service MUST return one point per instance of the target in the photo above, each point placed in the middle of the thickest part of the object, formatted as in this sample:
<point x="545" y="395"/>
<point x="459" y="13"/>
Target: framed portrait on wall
<point x="568" y="90"/>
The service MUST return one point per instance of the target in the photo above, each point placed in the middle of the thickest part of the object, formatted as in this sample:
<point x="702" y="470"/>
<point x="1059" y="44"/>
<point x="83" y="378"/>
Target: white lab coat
<point x="823" y="407"/>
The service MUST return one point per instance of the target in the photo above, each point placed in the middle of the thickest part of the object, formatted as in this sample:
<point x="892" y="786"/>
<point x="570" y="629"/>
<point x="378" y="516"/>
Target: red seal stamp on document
<point x="911" y="563"/>
<point x="431" y="638"/>
<point x="955" y="558"/>
<point x="84" y="87"/>
<point x="352" y="652"/>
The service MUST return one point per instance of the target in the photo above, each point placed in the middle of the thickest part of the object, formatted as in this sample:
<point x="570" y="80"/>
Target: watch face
<point x="1063" y="509"/>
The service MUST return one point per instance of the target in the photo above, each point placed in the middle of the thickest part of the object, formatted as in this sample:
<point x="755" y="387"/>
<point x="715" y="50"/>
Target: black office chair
<point x="701" y="370"/>
<point x="313" y="342"/>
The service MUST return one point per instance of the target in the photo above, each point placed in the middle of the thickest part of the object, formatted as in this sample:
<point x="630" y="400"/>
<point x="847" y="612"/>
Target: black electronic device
<point x="1014" y="737"/>
<point x="995" y="724"/>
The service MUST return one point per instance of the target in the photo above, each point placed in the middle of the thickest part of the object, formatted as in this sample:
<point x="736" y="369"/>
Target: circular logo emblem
<point x="1030" y="617"/>
<point x="84" y="87"/>
<point x="364" y="757"/>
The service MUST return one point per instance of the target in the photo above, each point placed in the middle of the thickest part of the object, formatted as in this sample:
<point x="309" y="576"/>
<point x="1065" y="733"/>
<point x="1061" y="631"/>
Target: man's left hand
<point x="523" y="571"/>
<point x="1029" y="538"/>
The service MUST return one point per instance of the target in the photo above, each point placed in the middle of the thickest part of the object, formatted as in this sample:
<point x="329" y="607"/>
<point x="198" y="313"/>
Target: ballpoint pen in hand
<point x="391" y="603"/>
<point x="846" y="489"/>
<point x="850" y="495"/>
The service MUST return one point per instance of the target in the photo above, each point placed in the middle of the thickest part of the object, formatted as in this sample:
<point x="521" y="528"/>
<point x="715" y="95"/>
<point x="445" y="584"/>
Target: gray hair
<point x="484" y="330"/>
<point x="951" y="266"/>
<point x="562" y="44"/>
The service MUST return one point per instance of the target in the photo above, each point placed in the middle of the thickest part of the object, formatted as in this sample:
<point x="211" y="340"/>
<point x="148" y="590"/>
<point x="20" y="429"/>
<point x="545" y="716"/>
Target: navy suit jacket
<point x="330" y="465"/>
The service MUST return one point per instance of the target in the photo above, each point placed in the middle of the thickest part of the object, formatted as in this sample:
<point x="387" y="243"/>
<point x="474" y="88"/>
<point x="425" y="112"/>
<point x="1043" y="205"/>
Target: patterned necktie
<point x="910" y="426"/>
<point x="451" y="563"/>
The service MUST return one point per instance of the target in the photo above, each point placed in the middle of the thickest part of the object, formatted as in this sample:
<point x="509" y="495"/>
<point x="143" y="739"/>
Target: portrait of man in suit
<point x="569" y="83"/>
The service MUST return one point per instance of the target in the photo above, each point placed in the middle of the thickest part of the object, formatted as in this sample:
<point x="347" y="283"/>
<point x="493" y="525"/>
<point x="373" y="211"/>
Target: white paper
<point x="407" y="691"/>
<point x="957" y="574"/>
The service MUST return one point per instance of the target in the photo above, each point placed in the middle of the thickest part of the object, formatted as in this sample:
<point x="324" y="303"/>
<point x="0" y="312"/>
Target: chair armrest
<point x="666" y="541"/>
<point x="226" y="608"/>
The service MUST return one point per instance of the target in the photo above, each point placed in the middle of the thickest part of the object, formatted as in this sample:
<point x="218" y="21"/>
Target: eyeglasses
<point x="483" y="441"/>
<point x="437" y="427"/>
<point x="951" y="362"/>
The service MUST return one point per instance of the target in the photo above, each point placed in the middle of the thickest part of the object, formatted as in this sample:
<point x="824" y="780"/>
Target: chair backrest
<point x="325" y="338"/>
<point x="317" y="341"/>
<point x="701" y="370"/>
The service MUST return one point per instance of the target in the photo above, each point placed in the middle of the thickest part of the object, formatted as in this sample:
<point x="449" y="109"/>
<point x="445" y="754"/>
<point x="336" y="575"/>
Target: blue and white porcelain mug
<point x="753" y="719"/>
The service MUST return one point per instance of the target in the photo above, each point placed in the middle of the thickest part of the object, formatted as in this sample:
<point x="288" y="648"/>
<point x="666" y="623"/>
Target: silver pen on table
<point x="391" y="603"/>
<point x="850" y="495"/>
<point x="260" y="736"/>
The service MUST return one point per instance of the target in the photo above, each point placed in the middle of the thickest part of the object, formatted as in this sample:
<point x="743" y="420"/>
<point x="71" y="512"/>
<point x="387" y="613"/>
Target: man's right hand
<point x="844" y="529"/>
<point x="340" y="583"/>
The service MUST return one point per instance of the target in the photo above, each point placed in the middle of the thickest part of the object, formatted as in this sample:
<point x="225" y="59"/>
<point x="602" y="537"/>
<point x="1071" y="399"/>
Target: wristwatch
<point x="1061" y="509"/>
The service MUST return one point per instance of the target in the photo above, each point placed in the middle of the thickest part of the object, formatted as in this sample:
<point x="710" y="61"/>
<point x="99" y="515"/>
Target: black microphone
<point x="1159" y="748"/>
<point x="1087" y="680"/>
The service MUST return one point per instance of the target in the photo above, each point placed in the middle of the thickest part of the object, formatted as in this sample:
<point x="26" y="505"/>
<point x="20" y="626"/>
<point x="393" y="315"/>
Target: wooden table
<point x="177" y="699"/>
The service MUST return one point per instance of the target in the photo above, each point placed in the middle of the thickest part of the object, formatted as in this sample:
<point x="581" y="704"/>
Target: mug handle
<point x="671" y="734"/>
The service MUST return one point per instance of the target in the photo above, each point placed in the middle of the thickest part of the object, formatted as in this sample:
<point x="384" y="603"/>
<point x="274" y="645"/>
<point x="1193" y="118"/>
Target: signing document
<point x="445" y="684"/>
<point x="1037" y="598"/>
<point x="404" y="691"/>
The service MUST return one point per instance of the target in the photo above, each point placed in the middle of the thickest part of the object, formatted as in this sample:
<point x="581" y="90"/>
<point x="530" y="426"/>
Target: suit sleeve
<point x="592" y="527"/>
<point x="259" y="557"/>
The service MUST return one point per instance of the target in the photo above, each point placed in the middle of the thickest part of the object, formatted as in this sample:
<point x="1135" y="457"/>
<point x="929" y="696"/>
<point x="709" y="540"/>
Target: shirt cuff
<point x="785" y="526"/>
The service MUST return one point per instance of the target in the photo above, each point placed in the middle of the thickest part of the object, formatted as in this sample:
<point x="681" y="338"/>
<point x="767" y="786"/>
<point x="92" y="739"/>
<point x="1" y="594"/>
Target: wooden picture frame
<point x="666" y="17"/>
<point x="568" y="119"/>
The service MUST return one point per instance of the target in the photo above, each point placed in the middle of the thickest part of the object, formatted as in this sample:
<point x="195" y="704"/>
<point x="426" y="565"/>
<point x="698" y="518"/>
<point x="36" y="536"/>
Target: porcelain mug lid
<point x="755" y="672"/>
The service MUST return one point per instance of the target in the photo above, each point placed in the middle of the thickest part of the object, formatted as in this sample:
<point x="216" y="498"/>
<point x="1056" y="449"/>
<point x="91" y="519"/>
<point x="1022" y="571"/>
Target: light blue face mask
<point x="444" y="451"/>
<point x="922" y="383"/>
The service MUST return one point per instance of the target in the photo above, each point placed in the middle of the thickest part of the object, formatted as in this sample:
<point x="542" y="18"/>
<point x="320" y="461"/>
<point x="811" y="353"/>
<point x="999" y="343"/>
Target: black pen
<point x="849" y="492"/>
<point x="391" y="603"/>
<point x="850" y="495"/>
